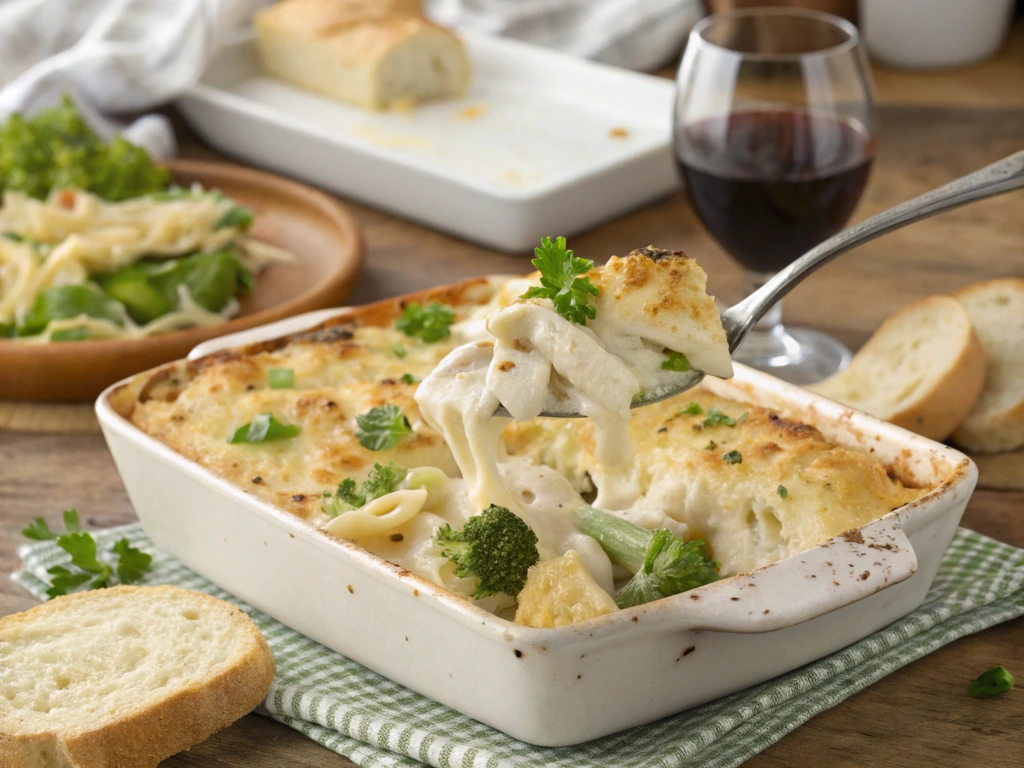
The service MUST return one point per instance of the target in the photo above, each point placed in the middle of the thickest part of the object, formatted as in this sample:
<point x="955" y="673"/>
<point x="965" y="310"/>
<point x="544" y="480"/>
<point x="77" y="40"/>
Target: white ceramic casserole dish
<point x="572" y="684"/>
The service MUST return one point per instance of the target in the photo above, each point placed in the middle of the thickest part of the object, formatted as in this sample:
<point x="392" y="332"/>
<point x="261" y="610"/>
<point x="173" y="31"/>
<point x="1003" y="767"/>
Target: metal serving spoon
<point x="1002" y="176"/>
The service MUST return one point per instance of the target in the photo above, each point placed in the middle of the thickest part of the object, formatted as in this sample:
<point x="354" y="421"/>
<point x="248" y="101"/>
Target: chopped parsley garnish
<point x="263" y="429"/>
<point x="743" y="418"/>
<point x="732" y="457"/>
<point x="693" y="409"/>
<point x="428" y="323"/>
<point x="662" y="429"/>
<point x="281" y="378"/>
<point x="382" y="427"/>
<point x="235" y="217"/>
<point x="783" y="493"/>
<point x="381" y="481"/>
<point x="64" y="580"/>
<point x="716" y="418"/>
<point x="562" y="280"/>
<point x="131" y="562"/>
<point x="408" y="378"/>
<point x="82" y="548"/>
<point x="997" y="680"/>
<point x="676" y="361"/>
<point x="398" y="350"/>
<point x="40" y="531"/>
<point x="711" y="446"/>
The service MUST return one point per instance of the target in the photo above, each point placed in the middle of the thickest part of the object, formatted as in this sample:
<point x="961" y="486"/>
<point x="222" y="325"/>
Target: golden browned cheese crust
<point x="343" y="371"/>
<point x="781" y="480"/>
<point x="669" y="270"/>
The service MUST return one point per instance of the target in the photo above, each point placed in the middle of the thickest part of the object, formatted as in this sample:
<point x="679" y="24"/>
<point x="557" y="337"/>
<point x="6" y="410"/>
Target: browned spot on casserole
<point x="854" y="536"/>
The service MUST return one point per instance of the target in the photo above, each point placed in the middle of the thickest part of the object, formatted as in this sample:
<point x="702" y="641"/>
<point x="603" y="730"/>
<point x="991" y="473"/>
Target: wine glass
<point x="774" y="134"/>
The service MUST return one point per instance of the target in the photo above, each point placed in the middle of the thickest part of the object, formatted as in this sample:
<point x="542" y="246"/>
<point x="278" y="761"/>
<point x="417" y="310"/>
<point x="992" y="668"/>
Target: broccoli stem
<point x="625" y="542"/>
<point x="662" y="563"/>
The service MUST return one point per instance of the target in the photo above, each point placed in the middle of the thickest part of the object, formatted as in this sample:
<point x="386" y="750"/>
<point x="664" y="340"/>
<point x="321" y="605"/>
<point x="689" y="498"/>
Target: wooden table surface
<point x="918" y="717"/>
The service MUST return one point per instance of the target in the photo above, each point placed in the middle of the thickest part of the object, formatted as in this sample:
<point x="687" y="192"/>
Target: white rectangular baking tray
<point x="567" y="685"/>
<point x="530" y="151"/>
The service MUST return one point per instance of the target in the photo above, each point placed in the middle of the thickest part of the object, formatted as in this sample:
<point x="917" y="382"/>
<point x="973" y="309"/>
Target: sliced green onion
<point x="281" y="378"/>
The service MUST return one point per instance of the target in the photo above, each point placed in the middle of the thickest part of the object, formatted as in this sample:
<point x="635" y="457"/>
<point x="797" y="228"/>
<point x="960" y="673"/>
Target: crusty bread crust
<point x="993" y="432"/>
<point x="149" y="735"/>
<point x="937" y="411"/>
<point x="347" y="50"/>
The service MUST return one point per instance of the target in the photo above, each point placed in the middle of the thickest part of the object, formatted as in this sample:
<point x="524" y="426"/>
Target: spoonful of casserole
<point x="596" y="342"/>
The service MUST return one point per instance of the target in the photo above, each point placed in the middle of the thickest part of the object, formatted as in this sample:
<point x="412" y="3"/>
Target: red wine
<point x="770" y="185"/>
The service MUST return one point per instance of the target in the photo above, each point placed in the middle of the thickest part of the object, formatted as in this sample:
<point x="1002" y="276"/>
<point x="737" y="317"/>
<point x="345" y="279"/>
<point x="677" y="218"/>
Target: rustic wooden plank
<point x="918" y="717"/>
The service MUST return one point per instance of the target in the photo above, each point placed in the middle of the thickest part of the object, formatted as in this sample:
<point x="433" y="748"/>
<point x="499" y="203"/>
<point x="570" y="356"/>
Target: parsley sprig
<point x="562" y="280"/>
<point x="732" y="457"/>
<point x="717" y="418"/>
<point x="428" y="323"/>
<point x="382" y="427"/>
<point x="40" y="531"/>
<point x="86" y="565"/>
<point x="381" y="481"/>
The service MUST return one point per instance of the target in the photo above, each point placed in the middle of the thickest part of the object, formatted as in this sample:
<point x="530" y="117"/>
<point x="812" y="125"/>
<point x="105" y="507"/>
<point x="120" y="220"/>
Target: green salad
<point x="97" y="242"/>
<point x="57" y="150"/>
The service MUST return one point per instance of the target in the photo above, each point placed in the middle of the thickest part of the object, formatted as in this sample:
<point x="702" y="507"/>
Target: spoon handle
<point x="1002" y="176"/>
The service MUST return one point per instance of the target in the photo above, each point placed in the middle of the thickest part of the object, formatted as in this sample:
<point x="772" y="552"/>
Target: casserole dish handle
<point x="828" y="577"/>
<point x="265" y="332"/>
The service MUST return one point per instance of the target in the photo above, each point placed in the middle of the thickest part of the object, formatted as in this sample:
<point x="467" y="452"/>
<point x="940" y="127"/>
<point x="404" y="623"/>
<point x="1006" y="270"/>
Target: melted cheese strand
<point x="454" y="401"/>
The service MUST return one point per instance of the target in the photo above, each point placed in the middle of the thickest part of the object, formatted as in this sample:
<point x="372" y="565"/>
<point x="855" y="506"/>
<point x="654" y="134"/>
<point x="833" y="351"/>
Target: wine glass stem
<point x="771" y="321"/>
<point x="768" y="346"/>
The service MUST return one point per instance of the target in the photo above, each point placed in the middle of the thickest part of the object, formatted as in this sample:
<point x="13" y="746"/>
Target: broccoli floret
<point x="496" y="547"/>
<point x="662" y="563"/>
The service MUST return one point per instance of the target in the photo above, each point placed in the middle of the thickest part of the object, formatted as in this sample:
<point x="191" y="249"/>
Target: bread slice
<point x="372" y="54"/>
<point x="125" y="677"/>
<point x="923" y="369"/>
<point x="996" y="309"/>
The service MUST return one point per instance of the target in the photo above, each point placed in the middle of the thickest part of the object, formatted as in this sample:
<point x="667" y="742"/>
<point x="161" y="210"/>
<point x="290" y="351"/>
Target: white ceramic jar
<point x="934" y="34"/>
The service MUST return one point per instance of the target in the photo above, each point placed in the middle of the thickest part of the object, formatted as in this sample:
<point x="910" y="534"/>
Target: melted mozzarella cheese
<point x="456" y="402"/>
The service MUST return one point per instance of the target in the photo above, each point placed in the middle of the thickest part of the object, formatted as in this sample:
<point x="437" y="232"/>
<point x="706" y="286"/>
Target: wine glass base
<point x="796" y="355"/>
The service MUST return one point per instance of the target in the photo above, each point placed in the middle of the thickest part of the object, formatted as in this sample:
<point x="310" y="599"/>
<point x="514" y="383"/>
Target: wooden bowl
<point x="321" y="234"/>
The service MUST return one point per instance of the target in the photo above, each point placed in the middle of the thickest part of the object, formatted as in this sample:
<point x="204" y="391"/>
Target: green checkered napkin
<point x="375" y="722"/>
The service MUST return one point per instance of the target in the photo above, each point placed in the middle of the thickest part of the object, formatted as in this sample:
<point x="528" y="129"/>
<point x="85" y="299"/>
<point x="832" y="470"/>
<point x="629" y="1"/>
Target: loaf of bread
<point x="996" y="309"/>
<point x="124" y="677"/>
<point x="373" y="53"/>
<point x="923" y="369"/>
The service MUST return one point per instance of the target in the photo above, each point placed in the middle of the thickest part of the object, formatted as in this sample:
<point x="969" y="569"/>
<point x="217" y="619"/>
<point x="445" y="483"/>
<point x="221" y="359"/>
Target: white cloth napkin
<point x="117" y="56"/>
<point x="635" y="34"/>
<point x="111" y="56"/>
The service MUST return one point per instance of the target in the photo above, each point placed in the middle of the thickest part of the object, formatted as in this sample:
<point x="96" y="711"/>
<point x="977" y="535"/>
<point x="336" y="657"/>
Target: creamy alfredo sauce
<point x="534" y="358"/>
